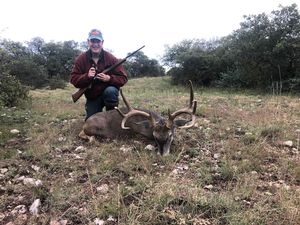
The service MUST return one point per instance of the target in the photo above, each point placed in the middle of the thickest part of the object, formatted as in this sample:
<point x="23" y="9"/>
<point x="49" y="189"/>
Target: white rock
<point x="253" y="172"/>
<point x="110" y="218"/>
<point x="216" y="155"/>
<point x="28" y="181"/>
<point x="99" y="222"/>
<point x="103" y="189"/>
<point x="3" y="170"/>
<point x="20" y="209"/>
<point x="34" y="208"/>
<point x="268" y="193"/>
<point x="288" y="143"/>
<point x="33" y="182"/>
<point x="79" y="149"/>
<point x="182" y="167"/>
<point x="61" y="139"/>
<point x="209" y="187"/>
<point x="35" y="168"/>
<point x="125" y="149"/>
<point x="21" y="178"/>
<point x="38" y="183"/>
<point x="77" y="156"/>
<point x="14" y="131"/>
<point x="150" y="147"/>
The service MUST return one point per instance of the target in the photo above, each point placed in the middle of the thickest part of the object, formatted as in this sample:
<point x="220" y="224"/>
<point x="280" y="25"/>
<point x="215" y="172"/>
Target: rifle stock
<point x="81" y="91"/>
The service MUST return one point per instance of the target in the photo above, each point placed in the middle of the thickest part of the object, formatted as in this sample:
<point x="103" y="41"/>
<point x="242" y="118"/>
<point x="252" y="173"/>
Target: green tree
<point x="264" y="51"/>
<point x="140" y="65"/>
<point x="193" y="60"/>
<point x="265" y="48"/>
<point x="12" y="92"/>
<point x="20" y="64"/>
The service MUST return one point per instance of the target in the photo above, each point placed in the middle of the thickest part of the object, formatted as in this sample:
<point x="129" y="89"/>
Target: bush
<point x="12" y="92"/>
<point x="29" y="73"/>
<point x="293" y="85"/>
<point x="55" y="83"/>
<point x="231" y="79"/>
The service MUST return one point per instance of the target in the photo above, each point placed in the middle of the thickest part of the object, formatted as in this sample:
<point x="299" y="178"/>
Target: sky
<point x="128" y="24"/>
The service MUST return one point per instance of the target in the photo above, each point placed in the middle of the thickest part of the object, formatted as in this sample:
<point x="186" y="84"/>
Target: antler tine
<point x="191" y="93"/>
<point x="192" y="123"/>
<point x="131" y="112"/>
<point x="125" y="100"/>
<point x="191" y="109"/>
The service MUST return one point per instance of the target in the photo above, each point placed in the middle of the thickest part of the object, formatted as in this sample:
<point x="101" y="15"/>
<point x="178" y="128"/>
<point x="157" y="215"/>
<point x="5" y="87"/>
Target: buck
<point x="128" y="121"/>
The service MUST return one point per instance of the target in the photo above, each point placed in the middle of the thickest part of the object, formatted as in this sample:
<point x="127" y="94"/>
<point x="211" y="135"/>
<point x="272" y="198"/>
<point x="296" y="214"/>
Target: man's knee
<point x="111" y="97"/>
<point x="111" y="92"/>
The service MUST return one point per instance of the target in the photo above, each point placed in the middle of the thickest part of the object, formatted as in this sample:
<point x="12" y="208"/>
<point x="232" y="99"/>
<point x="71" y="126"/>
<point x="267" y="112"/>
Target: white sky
<point x="128" y="24"/>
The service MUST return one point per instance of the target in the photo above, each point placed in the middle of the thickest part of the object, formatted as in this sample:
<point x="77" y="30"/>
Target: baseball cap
<point x="95" y="34"/>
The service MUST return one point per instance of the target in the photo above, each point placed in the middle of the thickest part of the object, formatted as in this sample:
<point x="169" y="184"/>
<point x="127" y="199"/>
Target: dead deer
<point x="129" y="121"/>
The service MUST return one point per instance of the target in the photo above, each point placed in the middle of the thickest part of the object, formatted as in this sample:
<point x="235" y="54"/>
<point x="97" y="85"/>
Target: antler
<point x="191" y="109"/>
<point x="131" y="112"/>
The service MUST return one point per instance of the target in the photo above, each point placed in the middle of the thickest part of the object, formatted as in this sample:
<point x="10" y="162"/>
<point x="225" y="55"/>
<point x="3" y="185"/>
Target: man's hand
<point x="92" y="72"/>
<point x="103" y="77"/>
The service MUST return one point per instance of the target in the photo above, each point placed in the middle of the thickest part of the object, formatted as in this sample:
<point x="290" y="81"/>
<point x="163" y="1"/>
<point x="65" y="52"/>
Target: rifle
<point x="81" y="91"/>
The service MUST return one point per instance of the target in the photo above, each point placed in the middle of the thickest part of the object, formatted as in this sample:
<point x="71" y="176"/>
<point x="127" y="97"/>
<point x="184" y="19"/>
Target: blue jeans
<point x="109" y="98"/>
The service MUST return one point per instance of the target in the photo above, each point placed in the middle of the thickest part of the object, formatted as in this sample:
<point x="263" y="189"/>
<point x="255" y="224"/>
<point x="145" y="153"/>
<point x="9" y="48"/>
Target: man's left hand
<point x="103" y="77"/>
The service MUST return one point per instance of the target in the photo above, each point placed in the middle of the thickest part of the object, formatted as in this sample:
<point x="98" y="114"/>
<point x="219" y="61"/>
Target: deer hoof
<point x="83" y="135"/>
<point x="91" y="139"/>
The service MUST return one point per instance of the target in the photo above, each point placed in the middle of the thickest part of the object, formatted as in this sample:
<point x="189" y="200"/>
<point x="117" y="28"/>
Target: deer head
<point x="162" y="130"/>
<point x="129" y="121"/>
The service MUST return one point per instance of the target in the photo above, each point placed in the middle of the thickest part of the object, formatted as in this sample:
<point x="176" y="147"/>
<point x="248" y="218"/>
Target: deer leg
<point x="82" y="135"/>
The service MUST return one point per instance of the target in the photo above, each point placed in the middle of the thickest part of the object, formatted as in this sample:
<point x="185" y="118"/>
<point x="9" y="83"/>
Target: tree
<point x="140" y="65"/>
<point x="264" y="51"/>
<point x="57" y="58"/>
<point x="193" y="60"/>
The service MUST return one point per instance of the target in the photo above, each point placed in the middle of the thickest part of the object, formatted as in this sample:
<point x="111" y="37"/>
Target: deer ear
<point x="144" y="123"/>
<point x="181" y="122"/>
<point x="169" y="124"/>
<point x="152" y="120"/>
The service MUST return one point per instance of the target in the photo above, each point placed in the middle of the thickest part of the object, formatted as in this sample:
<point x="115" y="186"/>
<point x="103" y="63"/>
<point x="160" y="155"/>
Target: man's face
<point x="95" y="45"/>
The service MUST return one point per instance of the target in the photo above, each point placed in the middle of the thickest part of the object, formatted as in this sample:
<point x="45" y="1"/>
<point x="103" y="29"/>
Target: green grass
<point x="231" y="168"/>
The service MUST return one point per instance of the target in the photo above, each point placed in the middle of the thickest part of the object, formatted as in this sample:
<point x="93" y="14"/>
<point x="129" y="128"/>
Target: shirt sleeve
<point x="79" y="75"/>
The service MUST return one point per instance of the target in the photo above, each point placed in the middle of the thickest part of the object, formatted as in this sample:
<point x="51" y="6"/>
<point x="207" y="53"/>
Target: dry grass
<point x="232" y="168"/>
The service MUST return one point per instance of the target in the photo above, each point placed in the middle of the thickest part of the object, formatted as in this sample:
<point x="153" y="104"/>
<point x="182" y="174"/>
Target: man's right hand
<point x="92" y="72"/>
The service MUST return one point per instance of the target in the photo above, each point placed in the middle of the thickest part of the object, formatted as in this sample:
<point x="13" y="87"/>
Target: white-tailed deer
<point x="129" y="121"/>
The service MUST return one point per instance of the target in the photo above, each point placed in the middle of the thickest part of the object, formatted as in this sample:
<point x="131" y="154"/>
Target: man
<point x="87" y="68"/>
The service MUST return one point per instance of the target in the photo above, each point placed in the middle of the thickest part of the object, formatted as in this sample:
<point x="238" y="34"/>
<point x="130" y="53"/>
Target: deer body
<point x="107" y="124"/>
<point x="129" y="121"/>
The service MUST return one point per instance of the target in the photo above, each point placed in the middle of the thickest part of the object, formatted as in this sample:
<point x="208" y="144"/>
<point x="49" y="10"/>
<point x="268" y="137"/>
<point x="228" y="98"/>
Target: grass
<point x="231" y="168"/>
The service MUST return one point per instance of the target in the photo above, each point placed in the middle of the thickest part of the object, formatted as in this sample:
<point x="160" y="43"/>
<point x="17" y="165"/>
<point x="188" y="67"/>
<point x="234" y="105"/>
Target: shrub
<point x="11" y="91"/>
<point x="55" y="83"/>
